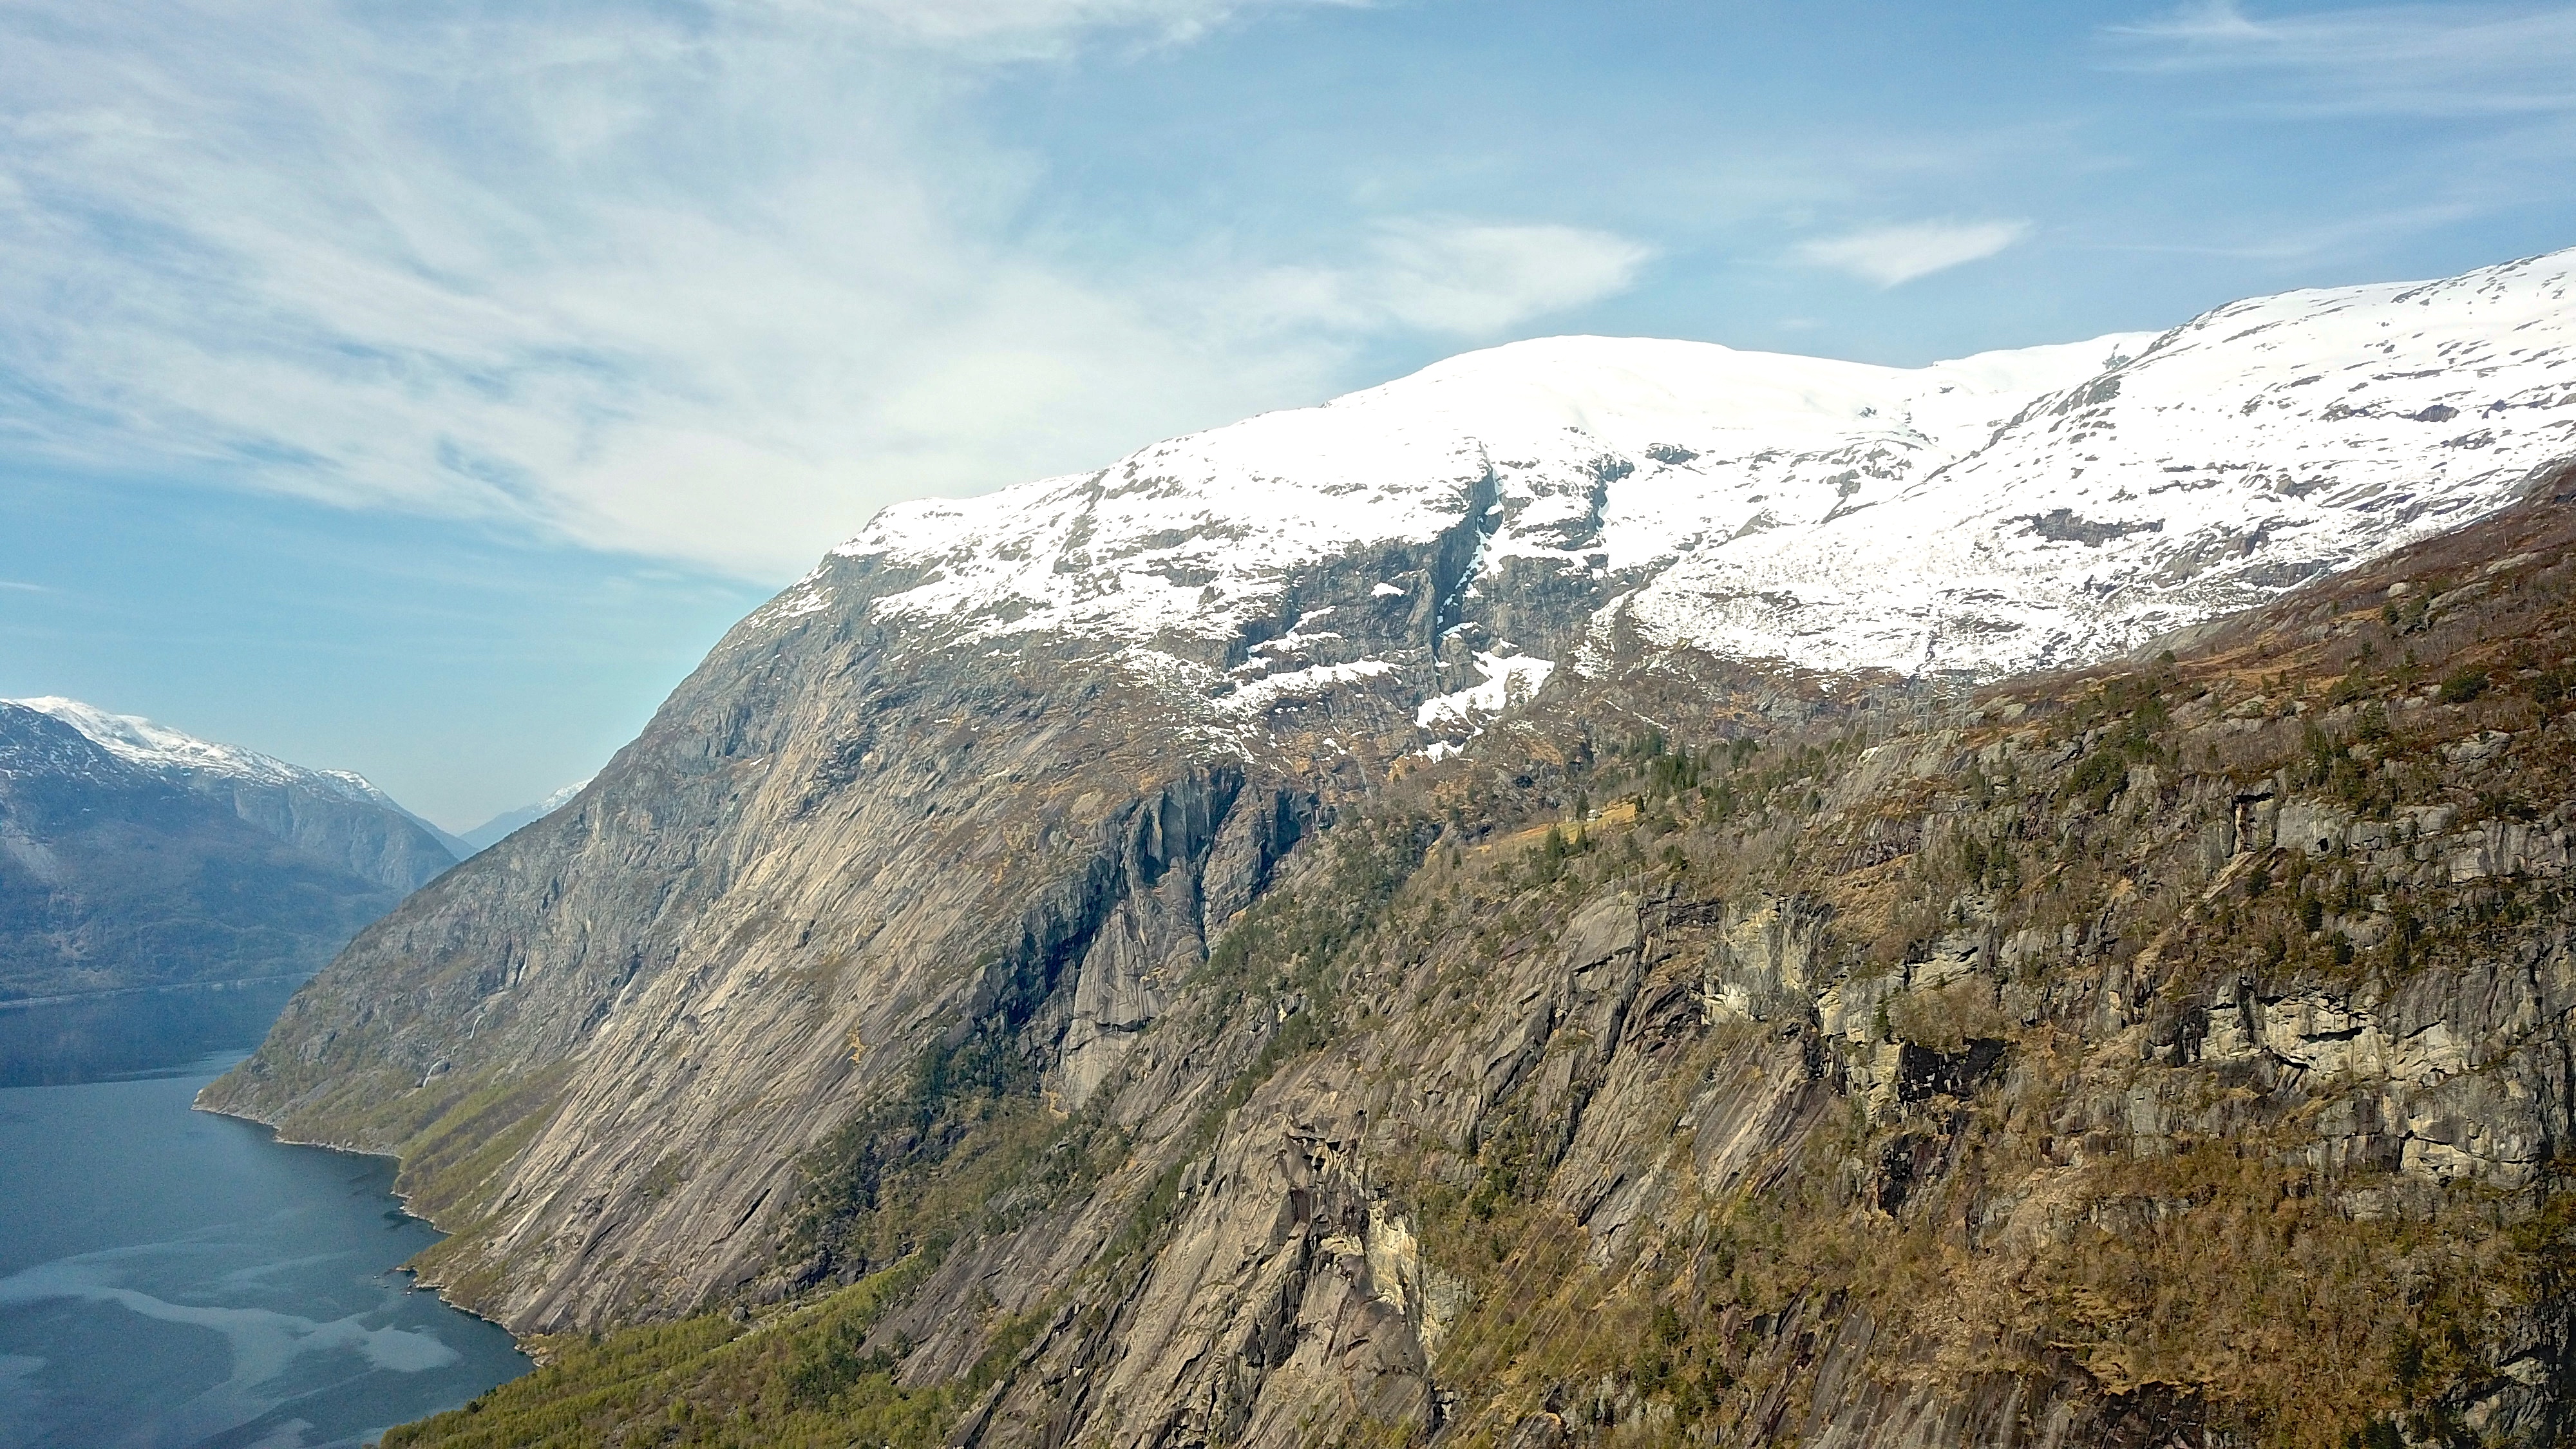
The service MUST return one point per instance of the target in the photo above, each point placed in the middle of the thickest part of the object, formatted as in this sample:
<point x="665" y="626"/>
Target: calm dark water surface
<point x="173" y="1278"/>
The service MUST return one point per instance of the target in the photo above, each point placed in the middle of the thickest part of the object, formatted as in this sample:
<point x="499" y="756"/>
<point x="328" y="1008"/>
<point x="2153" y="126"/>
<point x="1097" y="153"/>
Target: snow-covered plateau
<point x="2006" y="511"/>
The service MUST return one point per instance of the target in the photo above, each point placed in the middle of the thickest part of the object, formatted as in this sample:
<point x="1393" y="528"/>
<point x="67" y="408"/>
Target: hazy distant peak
<point x="145" y="742"/>
<point x="491" y="832"/>
<point x="339" y="814"/>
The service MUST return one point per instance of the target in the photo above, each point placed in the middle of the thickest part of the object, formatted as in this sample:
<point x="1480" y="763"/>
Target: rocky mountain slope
<point x="1067" y="917"/>
<point x="114" y="874"/>
<point x="2169" y="1053"/>
<point x="336" y="815"/>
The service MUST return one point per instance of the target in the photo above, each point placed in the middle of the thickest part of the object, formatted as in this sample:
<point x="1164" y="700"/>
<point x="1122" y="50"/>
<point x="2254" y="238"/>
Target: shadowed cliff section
<point x="363" y="838"/>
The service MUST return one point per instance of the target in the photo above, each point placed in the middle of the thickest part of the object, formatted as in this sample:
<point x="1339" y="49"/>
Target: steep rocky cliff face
<point x="1310" y="936"/>
<point x="602" y="1046"/>
<point x="2168" y="1053"/>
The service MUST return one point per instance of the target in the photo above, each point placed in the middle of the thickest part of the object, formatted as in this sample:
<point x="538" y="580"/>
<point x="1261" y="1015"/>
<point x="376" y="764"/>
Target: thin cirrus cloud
<point x="1452" y="278"/>
<point x="711" y="291"/>
<point x="1022" y="29"/>
<point x="1892" y="255"/>
<point x="2417" y="60"/>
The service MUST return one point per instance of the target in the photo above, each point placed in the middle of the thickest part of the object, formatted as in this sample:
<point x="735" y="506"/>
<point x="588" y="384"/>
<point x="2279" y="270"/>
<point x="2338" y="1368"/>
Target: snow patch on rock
<point x="1508" y="681"/>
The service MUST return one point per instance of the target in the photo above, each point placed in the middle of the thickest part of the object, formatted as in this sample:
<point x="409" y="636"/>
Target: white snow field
<point x="2001" y="512"/>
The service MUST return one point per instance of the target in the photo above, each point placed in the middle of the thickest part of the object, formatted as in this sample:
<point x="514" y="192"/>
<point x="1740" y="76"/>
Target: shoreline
<point x="402" y="1200"/>
<point x="70" y="998"/>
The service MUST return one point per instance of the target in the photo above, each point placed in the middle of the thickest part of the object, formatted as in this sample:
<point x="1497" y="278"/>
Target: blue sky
<point x="420" y="388"/>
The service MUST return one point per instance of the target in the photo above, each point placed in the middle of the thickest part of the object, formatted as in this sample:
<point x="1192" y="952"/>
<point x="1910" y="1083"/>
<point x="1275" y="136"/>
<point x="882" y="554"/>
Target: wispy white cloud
<point x="1023" y="29"/>
<point x="1461" y="279"/>
<point x="1892" y="255"/>
<point x="18" y="587"/>
<point x="2417" y="60"/>
<point x="710" y="288"/>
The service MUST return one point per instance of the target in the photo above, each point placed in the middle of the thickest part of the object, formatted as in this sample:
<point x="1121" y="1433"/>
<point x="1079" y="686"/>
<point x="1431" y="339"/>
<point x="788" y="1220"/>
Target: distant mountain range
<point x="133" y="854"/>
<point x="493" y="831"/>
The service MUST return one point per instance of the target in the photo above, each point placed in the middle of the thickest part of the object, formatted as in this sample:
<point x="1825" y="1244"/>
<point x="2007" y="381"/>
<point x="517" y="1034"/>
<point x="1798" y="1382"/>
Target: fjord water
<point x="171" y="1278"/>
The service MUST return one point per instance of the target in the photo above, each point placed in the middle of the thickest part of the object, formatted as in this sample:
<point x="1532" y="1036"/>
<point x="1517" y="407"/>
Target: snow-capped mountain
<point x="119" y="872"/>
<point x="2249" y="450"/>
<point x="493" y="831"/>
<point x="338" y="814"/>
<point x="163" y="750"/>
<point x="2004" y="511"/>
